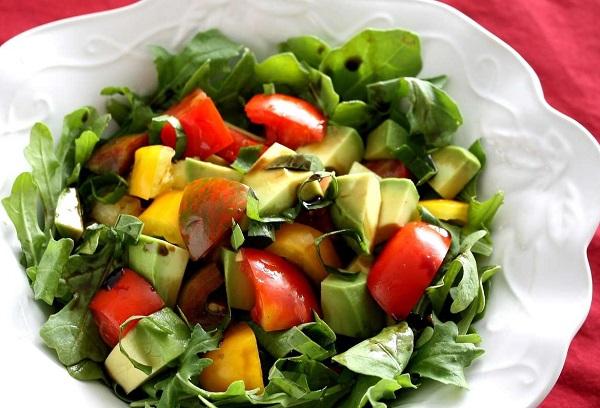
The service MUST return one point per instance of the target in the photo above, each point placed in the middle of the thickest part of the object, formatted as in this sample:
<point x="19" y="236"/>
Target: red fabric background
<point x="561" y="41"/>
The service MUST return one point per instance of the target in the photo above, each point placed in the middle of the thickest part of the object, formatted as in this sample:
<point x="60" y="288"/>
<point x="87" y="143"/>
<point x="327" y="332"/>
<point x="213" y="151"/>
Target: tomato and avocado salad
<point x="286" y="232"/>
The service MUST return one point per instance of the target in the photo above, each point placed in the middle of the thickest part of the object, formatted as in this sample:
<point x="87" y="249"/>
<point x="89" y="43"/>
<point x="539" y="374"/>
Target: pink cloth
<point x="561" y="41"/>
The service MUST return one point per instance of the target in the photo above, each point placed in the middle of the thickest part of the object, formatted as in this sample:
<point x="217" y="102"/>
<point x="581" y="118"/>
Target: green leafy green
<point x="470" y="190"/>
<point x="306" y="48"/>
<point x="175" y="70"/>
<point x="420" y="105"/>
<point x="50" y="269"/>
<point x="356" y="114"/>
<point x="369" y="391"/>
<point x="237" y="236"/>
<point x="283" y="69"/>
<point x="415" y="157"/>
<point x="21" y="206"/>
<point x="247" y="156"/>
<point x="45" y="169"/>
<point x="321" y="92"/>
<point x="128" y="109"/>
<point x="441" y="357"/>
<point x="384" y="355"/>
<point x="314" y="340"/>
<point x="440" y="81"/>
<point x="480" y="217"/>
<point x="370" y="56"/>
<point x="105" y="188"/>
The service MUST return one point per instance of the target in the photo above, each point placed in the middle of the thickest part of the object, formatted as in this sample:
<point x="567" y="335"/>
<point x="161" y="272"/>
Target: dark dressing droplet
<point x="353" y="63"/>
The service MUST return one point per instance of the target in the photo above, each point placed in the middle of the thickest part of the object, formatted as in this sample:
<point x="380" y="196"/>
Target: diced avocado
<point x="195" y="169"/>
<point x="68" y="219"/>
<point x="347" y="306"/>
<point x="359" y="168"/>
<point x="339" y="148"/>
<point x="162" y="263"/>
<point x="362" y="263"/>
<point x="150" y="344"/>
<point x="456" y="166"/>
<point x="357" y="207"/>
<point x="275" y="188"/>
<point x="311" y="191"/>
<point x="239" y="289"/>
<point x="382" y="140"/>
<point x="399" y="199"/>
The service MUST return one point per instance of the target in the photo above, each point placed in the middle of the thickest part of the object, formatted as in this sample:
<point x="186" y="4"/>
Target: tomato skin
<point x="388" y="168"/>
<point x="284" y="297"/>
<point x="205" y="129"/>
<point x="130" y="295"/>
<point x="194" y="298"/>
<point x="241" y="138"/>
<point x="406" y="267"/>
<point x="288" y="120"/>
<point x="207" y="208"/>
<point x="116" y="156"/>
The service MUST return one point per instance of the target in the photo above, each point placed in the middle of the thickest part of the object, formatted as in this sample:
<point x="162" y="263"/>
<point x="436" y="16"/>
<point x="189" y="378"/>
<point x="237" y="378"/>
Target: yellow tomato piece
<point x="447" y="209"/>
<point x="151" y="171"/>
<point x="161" y="218"/>
<point x="296" y="243"/>
<point x="235" y="359"/>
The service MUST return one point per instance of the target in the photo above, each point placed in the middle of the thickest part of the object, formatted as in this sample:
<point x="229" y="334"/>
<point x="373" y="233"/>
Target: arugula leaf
<point x="306" y="48"/>
<point x="321" y="92"/>
<point x="440" y="81"/>
<point x="479" y="217"/>
<point x="87" y="370"/>
<point x="315" y="340"/>
<point x="128" y="109"/>
<point x="21" y="207"/>
<point x="50" y="269"/>
<point x="384" y="355"/>
<point x="299" y="162"/>
<point x="45" y="169"/>
<point x="105" y="188"/>
<point x="371" y="390"/>
<point x="247" y="156"/>
<point x="420" y="105"/>
<point x="84" y="146"/>
<point x="443" y="359"/>
<point x="356" y="114"/>
<point x="415" y="157"/>
<point x="237" y="236"/>
<point x="283" y="69"/>
<point x="174" y="71"/>
<point x="470" y="190"/>
<point x="370" y="56"/>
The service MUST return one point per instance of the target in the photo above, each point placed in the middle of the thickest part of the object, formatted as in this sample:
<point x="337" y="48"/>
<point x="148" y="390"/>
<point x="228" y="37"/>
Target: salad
<point x="295" y="231"/>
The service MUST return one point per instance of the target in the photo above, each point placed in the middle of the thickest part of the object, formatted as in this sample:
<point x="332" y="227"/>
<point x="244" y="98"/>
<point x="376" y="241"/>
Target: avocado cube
<point x="384" y="139"/>
<point x="360" y="168"/>
<point x="149" y="346"/>
<point x="456" y="166"/>
<point x="161" y="263"/>
<point x="239" y="288"/>
<point x="339" y="148"/>
<point x="399" y="200"/>
<point x="348" y="307"/>
<point x="195" y="169"/>
<point x="68" y="220"/>
<point x="275" y="188"/>
<point x="357" y="207"/>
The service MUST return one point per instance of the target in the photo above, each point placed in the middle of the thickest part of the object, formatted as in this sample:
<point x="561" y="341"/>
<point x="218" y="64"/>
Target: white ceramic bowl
<point x="546" y="163"/>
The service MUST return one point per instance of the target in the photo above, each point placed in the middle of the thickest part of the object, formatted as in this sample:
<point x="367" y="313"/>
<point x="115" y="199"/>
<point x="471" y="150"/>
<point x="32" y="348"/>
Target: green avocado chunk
<point x="339" y="148"/>
<point x="360" y="168"/>
<point x="399" y="199"/>
<point x="275" y="188"/>
<point x="357" y="207"/>
<point x="383" y="139"/>
<point x="347" y="306"/>
<point x="239" y="289"/>
<point x="161" y="263"/>
<point x="456" y="166"/>
<point x="195" y="169"/>
<point x="68" y="220"/>
<point x="150" y="344"/>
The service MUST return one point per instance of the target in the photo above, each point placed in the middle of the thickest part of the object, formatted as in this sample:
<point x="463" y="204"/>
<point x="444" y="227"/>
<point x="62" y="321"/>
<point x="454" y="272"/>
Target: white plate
<point x="546" y="163"/>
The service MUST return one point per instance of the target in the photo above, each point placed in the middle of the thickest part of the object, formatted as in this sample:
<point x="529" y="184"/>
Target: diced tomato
<point x="406" y="267"/>
<point x="207" y="208"/>
<point x="288" y="120"/>
<point x="116" y="156"/>
<point x="388" y="168"/>
<point x="127" y="294"/>
<point x="284" y="297"/>
<point x="205" y="129"/>
<point x="241" y="138"/>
